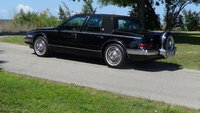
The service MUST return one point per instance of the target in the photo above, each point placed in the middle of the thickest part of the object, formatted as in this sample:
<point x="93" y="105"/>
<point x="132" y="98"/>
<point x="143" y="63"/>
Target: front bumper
<point x="28" y="40"/>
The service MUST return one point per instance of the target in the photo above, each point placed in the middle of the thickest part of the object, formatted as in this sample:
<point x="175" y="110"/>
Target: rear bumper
<point x="154" y="54"/>
<point x="142" y="52"/>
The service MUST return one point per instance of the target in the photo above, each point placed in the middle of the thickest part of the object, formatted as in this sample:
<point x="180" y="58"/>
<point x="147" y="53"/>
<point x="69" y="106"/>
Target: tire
<point x="41" y="47"/>
<point x="115" y="56"/>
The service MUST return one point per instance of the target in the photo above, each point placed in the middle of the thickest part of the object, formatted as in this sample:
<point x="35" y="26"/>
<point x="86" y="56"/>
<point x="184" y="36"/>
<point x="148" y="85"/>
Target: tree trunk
<point x="141" y="12"/>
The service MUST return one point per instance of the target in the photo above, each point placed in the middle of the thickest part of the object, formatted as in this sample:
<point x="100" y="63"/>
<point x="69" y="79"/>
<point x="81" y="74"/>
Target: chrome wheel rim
<point x="170" y="43"/>
<point x="113" y="56"/>
<point x="40" y="47"/>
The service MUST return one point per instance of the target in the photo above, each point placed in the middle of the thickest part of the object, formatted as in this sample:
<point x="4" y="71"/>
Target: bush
<point x="34" y="20"/>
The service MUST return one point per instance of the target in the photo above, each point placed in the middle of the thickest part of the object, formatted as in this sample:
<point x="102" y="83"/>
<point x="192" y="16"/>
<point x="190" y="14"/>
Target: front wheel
<point x="41" y="47"/>
<point x="115" y="55"/>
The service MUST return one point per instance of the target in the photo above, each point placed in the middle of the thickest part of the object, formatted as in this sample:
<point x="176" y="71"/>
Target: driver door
<point x="70" y="30"/>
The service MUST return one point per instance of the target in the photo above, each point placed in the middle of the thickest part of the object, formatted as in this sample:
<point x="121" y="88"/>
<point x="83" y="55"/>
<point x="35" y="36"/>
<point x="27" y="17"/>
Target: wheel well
<point x="108" y="43"/>
<point x="36" y="36"/>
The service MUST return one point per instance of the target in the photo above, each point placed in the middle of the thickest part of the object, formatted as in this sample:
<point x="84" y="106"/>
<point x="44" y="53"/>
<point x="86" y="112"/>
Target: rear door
<point x="91" y="36"/>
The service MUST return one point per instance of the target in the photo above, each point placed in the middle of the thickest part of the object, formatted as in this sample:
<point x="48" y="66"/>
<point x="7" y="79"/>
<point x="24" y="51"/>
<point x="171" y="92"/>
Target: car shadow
<point x="155" y="66"/>
<point x="1" y="61"/>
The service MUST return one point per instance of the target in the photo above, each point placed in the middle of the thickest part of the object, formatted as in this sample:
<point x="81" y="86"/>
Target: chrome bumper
<point x="167" y="53"/>
<point x="28" y="40"/>
<point x="142" y="52"/>
<point x="162" y="52"/>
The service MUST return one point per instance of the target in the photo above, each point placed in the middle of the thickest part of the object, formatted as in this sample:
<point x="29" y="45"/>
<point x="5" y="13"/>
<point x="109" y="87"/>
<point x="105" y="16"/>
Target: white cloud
<point x="25" y="8"/>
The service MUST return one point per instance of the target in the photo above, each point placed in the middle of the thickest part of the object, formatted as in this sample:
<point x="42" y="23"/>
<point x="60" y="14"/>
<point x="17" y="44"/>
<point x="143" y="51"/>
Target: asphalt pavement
<point x="156" y="81"/>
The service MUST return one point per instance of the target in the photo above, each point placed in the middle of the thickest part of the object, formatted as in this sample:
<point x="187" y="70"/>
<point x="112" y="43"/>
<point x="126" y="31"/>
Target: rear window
<point x="127" y="24"/>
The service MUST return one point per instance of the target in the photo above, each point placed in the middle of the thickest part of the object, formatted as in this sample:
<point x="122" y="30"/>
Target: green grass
<point x="187" y="56"/>
<point x="21" y="94"/>
<point x="14" y="39"/>
<point x="188" y="51"/>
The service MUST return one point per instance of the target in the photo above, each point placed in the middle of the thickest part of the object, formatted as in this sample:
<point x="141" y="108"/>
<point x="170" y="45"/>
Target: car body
<point x="115" y="38"/>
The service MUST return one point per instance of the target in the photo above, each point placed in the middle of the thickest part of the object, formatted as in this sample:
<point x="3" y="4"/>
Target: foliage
<point x="141" y="9"/>
<point x="22" y="94"/>
<point x="35" y="19"/>
<point x="173" y="9"/>
<point x="88" y="8"/>
<point x="64" y="12"/>
<point x="191" y="20"/>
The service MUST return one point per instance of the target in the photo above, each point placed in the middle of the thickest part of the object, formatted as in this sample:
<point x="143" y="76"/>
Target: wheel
<point x="115" y="55"/>
<point x="41" y="46"/>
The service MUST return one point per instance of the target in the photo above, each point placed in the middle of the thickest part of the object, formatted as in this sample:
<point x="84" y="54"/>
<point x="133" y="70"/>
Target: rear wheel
<point x="115" y="55"/>
<point x="41" y="46"/>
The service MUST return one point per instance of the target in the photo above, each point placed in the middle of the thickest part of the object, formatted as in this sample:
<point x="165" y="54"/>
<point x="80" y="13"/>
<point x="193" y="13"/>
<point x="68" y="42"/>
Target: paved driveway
<point x="156" y="81"/>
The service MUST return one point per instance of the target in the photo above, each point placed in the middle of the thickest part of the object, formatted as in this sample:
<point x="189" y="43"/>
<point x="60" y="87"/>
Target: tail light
<point x="148" y="46"/>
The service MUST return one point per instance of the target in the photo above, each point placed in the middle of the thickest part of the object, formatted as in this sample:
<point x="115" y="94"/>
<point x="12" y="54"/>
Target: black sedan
<point x="115" y="38"/>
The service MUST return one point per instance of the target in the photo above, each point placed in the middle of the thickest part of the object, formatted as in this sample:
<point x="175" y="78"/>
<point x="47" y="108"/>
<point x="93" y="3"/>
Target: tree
<point x="64" y="12"/>
<point x="139" y="5"/>
<point x="142" y="9"/>
<point x="88" y="8"/>
<point x="173" y="9"/>
<point x="191" y="20"/>
<point x="35" y="19"/>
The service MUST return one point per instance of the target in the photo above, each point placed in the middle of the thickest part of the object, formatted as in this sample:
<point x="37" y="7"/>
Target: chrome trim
<point x="28" y="40"/>
<point x="31" y="36"/>
<point x="167" y="53"/>
<point x="75" y="48"/>
<point x="142" y="52"/>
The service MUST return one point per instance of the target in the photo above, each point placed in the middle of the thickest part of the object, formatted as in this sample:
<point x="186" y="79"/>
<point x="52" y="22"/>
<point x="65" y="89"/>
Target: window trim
<point x="88" y="18"/>
<point x="62" y="25"/>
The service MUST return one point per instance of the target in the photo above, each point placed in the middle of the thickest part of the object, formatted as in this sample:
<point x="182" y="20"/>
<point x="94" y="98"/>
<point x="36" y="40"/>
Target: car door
<point x="68" y="34"/>
<point x="91" y="36"/>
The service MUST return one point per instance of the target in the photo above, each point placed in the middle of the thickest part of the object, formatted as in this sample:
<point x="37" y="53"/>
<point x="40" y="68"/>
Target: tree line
<point x="175" y="16"/>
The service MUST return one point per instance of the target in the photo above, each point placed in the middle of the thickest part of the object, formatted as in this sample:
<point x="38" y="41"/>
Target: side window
<point x="127" y="24"/>
<point x="94" y="24"/>
<point x="74" y="24"/>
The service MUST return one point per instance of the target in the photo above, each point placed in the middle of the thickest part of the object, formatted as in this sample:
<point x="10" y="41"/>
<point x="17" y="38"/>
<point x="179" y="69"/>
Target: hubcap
<point x="170" y="43"/>
<point x="113" y="56"/>
<point x="40" y="47"/>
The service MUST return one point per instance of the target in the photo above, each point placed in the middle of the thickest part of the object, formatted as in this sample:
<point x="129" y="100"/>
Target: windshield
<point x="127" y="25"/>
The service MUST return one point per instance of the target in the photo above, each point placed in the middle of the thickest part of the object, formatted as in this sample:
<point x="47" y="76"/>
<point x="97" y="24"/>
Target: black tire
<point x="115" y="56"/>
<point x="41" y="47"/>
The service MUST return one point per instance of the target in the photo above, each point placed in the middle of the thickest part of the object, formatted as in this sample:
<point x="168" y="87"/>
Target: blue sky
<point x="9" y="7"/>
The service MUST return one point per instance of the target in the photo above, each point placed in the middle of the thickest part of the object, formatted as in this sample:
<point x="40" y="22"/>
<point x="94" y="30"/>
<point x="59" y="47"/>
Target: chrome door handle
<point x="100" y="37"/>
<point x="75" y="35"/>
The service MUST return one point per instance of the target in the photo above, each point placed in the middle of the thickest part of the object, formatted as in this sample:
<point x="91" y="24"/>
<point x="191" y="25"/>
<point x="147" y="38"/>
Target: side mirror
<point x="59" y="27"/>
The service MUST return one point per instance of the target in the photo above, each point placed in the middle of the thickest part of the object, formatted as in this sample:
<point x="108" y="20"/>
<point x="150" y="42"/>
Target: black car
<point x="115" y="38"/>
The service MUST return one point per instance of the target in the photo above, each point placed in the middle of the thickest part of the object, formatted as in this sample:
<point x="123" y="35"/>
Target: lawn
<point x="21" y="94"/>
<point x="188" y="49"/>
<point x="14" y="39"/>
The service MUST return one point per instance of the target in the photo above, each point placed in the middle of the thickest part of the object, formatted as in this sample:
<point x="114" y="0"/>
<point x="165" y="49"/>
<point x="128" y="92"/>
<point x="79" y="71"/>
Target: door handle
<point x="100" y="37"/>
<point x="75" y="35"/>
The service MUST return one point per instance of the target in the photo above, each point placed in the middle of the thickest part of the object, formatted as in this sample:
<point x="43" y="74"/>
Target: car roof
<point x="103" y="15"/>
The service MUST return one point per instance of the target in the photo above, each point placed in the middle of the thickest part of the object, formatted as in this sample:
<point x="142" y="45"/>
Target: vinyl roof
<point x="103" y="15"/>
